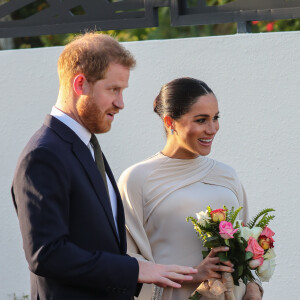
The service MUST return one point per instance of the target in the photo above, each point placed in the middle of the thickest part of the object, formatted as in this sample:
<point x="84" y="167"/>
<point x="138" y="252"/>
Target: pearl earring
<point x="172" y="131"/>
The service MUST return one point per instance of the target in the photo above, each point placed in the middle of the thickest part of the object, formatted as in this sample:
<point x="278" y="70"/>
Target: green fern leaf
<point x="229" y="214"/>
<point x="235" y="214"/>
<point x="265" y="221"/>
<point x="252" y="223"/>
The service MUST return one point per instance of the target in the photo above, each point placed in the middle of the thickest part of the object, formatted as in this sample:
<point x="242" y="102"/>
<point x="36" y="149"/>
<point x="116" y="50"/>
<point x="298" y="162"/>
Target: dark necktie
<point x="99" y="159"/>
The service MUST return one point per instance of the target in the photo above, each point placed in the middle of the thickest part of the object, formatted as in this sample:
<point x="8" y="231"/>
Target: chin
<point x="204" y="153"/>
<point x="104" y="129"/>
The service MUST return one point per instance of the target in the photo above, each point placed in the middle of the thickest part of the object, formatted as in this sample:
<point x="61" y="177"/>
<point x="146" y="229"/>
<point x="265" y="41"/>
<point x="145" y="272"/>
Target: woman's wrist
<point x="254" y="287"/>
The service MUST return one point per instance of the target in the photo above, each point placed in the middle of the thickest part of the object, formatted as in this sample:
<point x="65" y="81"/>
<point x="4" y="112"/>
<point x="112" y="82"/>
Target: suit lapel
<point x="83" y="154"/>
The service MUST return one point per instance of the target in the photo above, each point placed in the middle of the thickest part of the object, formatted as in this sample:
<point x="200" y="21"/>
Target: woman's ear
<point x="169" y="123"/>
<point x="80" y="85"/>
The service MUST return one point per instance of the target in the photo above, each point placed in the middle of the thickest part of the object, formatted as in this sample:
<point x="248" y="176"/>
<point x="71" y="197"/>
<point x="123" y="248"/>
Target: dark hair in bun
<point x="177" y="96"/>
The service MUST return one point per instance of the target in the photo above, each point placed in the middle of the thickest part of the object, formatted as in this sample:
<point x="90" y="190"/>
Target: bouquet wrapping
<point x="250" y="248"/>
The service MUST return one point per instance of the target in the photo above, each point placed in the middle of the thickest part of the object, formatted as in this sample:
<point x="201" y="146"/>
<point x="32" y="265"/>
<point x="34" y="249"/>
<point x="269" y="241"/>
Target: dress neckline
<point x="187" y="160"/>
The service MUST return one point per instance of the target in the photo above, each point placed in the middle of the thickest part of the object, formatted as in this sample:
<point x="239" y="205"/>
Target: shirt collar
<point x="81" y="131"/>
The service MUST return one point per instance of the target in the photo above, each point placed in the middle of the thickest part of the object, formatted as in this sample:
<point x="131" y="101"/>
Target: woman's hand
<point x="252" y="292"/>
<point x="210" y="267"/>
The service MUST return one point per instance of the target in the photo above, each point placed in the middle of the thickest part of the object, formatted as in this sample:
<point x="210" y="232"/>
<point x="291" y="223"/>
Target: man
<point x="69" y="208"/>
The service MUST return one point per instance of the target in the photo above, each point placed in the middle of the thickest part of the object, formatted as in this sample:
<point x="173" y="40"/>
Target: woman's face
<point x="195" y="130"/>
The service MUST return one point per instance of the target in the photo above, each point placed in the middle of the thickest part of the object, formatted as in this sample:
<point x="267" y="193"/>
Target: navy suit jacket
<point x="69" y="235"/>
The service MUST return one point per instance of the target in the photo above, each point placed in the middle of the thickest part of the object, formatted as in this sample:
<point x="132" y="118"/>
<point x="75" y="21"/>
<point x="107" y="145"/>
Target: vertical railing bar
<point x="244" y="27"/>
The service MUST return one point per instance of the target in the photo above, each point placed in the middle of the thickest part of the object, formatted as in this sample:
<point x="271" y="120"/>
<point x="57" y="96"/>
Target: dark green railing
<point x="71" y="16"/>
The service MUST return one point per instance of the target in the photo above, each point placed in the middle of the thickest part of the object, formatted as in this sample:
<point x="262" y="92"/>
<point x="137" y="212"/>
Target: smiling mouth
<point x="205" y="140"/>
<point x="112" y="114"/>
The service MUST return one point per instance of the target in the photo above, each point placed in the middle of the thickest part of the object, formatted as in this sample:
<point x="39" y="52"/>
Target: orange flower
<point x="265" y="239"/>
<point x="265" y="242"/>
<point x="218" y="215"/>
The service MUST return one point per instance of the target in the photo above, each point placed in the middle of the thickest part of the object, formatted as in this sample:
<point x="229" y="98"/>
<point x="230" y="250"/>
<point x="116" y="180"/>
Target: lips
<point x="205" y="142"/>
<point x="111" y="115"/>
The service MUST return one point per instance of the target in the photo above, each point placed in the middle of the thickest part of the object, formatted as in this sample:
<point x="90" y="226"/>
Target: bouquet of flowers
<point x="250" y="247"/>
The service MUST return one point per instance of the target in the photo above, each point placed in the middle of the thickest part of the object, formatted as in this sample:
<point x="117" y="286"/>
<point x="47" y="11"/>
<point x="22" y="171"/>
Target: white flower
<point x="270" y="254"/>
<point x="203" y="217"/>
<point x="246" y="232"/>
<point x="266" y="270"/>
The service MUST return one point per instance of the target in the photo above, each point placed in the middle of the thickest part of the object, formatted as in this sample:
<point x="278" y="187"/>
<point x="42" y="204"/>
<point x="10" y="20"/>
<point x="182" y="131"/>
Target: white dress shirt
<point x="85" y="136"/>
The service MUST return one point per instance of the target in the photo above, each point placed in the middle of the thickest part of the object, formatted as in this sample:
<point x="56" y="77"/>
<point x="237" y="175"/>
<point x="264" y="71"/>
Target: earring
<point x="172" y="131"/>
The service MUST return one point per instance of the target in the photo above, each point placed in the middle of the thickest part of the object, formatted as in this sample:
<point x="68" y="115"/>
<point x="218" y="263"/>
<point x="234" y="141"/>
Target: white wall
<point x="256" y="79"/>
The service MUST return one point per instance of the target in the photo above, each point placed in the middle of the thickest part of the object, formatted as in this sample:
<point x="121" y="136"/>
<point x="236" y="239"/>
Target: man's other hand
<point x="164" y="275"/>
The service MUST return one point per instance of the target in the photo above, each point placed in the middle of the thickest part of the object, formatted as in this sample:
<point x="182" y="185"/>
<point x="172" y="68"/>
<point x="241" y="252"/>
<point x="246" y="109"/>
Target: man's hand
<point x="252" y="292"/>
<point x="164" y="275"/>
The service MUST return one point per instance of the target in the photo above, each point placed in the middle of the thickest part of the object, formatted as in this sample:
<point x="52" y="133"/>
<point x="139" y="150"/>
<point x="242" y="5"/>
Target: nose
<point x="211" y="128"/>
<point x="119" y="103"/>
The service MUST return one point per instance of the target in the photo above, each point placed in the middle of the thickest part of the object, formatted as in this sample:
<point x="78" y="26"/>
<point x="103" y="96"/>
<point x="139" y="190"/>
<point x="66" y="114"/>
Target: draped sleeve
<point x="131" y="184"/>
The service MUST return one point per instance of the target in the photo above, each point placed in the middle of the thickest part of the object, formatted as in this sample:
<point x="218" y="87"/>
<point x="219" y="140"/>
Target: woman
<point x="160" y="192"/>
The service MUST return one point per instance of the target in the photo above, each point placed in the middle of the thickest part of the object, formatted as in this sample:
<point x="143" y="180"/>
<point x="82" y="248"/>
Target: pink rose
<point x="254" y="247"/>
<point x="218" y="215"/>
<point x="267" y="232"/>
<point x="226" y="230"/>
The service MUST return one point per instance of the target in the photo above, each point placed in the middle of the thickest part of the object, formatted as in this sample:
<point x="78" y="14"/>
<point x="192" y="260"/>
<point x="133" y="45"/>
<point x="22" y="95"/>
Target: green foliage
<point x="195" y="296"/>
<point x="248" y="255"/>
<point x="208" y="209"/>
<point x="223" y="256"/>
<point x="23" y="297"/>
<point x="232" y="214"/>
<point x="212" y="242"/>
<point x="264" y="220"/>
<point x="236" y="254"/>
<point x="204" y="231"/>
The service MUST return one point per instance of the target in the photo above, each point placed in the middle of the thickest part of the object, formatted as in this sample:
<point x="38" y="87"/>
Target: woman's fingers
<point x="216" y="260"/>
<point x="227" y="263"/>
<point x="216" y="250"/>
<point x="222" y="268"/>
<point x="212" y="254"/>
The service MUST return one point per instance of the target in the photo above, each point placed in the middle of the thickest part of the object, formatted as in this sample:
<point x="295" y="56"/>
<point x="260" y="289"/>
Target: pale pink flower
<point x="254" y="263"/>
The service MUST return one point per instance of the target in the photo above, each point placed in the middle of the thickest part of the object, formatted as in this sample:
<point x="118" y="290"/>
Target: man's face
<point x="104" y="99"/>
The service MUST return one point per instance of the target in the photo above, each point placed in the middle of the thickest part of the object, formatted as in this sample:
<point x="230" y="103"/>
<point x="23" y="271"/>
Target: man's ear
<point x="80" y="85"/>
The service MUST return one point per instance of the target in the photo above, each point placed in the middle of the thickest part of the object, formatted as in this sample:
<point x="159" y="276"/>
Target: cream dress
<point x="158" y="194"/>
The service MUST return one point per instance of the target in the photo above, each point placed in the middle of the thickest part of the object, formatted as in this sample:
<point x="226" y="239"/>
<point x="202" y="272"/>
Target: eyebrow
<point x="203" y="115"/>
